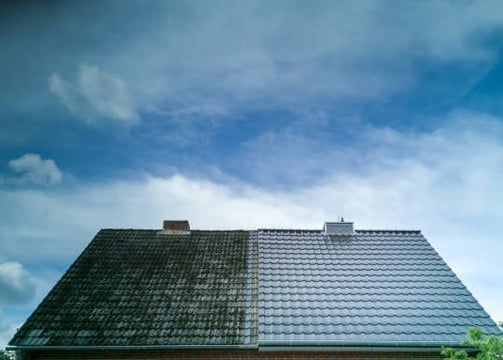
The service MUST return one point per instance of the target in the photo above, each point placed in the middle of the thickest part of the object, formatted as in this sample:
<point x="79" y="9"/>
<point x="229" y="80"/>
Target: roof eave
<point x="269" y="346"/>
<point x="360" y="347"/>
<point x="132" y="347"/>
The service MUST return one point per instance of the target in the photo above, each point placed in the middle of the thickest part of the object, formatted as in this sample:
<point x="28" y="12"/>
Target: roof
<point x="375" y="287"/>
<point x="255" y="288"/>
<point x="141" y="287"/>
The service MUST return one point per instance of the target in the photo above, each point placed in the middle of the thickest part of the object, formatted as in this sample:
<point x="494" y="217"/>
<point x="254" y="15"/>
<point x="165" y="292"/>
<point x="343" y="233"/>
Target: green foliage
<point x="7" y="355"/>
<point x="486" y="347"/>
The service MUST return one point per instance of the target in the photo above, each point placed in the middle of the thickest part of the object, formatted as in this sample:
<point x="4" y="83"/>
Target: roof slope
<point x="261" y="288"/>
<point x="373" y="288"/>
<point x="141" y="287"/>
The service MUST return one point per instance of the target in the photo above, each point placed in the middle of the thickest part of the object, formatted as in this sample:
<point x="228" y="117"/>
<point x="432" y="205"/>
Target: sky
<point x="246" y="115"/>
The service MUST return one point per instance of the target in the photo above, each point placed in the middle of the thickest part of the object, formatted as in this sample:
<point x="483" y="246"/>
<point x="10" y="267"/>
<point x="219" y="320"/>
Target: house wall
<point x="226" y="355"/>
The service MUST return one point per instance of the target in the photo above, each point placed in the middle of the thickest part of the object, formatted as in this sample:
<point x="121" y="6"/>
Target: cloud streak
<point x="290" y="54"/>
<point x="95" y="94"/>
<point x="191" y="61"/>
<point x="211" y="59"/>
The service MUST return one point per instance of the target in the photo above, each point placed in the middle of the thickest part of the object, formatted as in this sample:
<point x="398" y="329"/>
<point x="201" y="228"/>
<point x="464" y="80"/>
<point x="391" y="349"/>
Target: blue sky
<point x="245" y="115"/>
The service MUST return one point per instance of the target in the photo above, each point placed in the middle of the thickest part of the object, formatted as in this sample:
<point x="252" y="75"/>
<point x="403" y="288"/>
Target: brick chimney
<point x="178" y="227"/>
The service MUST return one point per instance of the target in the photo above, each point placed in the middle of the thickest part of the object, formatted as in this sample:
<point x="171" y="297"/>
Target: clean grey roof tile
<point x="376" y="286"/>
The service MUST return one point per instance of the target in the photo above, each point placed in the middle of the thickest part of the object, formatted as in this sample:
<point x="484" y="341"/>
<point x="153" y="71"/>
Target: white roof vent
<point x="338" y="228"/>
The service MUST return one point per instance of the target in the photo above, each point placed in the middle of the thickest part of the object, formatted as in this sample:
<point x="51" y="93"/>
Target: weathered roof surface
<point x="260" y="288"/>
<point x="141" y="287"/>
<point x="373" y="288"/>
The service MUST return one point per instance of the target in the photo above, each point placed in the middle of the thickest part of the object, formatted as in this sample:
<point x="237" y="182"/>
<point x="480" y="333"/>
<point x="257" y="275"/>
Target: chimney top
<point x="176" y="227"/>
<point x="338" y="228"/>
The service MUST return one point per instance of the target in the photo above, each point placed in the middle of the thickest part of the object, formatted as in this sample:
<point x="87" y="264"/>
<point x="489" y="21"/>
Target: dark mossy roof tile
<point x="142" y="287"/>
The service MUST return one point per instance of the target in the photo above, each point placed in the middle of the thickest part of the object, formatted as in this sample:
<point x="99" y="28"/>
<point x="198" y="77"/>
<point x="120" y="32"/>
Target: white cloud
<point x="16" y="284"/>
<point x="95" y="94"/>
<point x="36" y="170"/>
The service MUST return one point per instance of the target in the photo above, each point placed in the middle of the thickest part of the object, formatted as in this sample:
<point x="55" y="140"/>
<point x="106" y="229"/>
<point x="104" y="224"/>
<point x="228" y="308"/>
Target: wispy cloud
<point x="212" y="59"/>
<point x="35" y="170"/>
<point x="287" y="54"/>
<point x="95" y="94"/>
<point x="194" y="60"/>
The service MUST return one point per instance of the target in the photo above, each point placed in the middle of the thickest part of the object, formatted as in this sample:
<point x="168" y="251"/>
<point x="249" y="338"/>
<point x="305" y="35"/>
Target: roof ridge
<point x="398" y="231"/>
<point x="274" y="230"/>
<point x="192" y="230"/>
<point x="362" y="231"/>
<point x="290" y="230"/>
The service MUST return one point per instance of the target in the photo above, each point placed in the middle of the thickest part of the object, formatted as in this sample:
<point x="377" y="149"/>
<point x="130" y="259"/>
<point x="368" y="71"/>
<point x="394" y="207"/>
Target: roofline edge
<point x="275" y="346"/>
<point x="348" y="347"/>
<point x="132" y="347"/>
